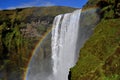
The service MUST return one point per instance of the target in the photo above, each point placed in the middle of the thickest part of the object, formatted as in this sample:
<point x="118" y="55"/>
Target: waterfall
<point x="64" y="39"/>
<point x="69" y="33"/>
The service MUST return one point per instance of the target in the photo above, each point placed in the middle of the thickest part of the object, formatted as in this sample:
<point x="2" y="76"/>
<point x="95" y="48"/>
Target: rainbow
<point x="34" y="51"/>
<point x="41" y="39"/>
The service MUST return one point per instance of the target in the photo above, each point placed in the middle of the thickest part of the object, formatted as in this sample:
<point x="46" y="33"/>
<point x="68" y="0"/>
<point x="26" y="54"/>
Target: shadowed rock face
<point x="88" y="21"/>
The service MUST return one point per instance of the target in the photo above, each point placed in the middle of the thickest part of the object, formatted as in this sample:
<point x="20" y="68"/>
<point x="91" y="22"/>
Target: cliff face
<point x="35" y="20"/>
<point x="100" y="56"/>
<point x="20" y="30"/>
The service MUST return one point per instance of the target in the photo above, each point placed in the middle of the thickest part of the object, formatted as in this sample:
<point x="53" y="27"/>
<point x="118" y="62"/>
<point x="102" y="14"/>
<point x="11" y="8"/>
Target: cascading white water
<point x="64" y="40"/>
<point x="70" y="32"/>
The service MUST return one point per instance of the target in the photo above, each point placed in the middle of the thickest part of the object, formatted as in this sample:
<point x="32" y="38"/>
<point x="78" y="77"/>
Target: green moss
<point x="96" y="55"/>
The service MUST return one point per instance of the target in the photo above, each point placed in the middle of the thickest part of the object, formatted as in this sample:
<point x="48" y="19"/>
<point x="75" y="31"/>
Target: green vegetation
<point x="100" y="57"/>
<point x="13" y="56"/>
<point x="20" y="30"/>
<point x="109" y="8"/>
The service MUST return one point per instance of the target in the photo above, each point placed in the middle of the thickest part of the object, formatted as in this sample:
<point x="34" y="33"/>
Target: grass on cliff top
<point x="23" y="13"/>
<point x="100" y="57"/>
